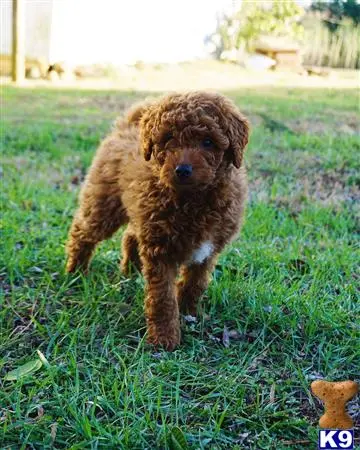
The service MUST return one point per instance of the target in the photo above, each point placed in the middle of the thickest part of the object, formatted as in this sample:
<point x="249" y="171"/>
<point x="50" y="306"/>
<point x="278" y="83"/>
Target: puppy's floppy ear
<point x="142" y="115"/>
<point x="238" y="133"/>
<point x="146" y="123"/>
<point x="136" y="112"/>
<point x="146" y="146"/>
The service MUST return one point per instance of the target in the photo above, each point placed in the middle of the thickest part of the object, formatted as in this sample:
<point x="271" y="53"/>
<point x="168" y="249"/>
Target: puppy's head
<point x="191" y="138"/>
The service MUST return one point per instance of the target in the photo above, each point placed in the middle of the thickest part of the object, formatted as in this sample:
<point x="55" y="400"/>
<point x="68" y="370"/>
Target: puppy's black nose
<point x="183" y="170"/>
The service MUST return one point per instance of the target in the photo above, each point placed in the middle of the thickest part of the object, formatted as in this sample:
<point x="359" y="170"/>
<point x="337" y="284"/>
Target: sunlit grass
<point x="286" y="291"/>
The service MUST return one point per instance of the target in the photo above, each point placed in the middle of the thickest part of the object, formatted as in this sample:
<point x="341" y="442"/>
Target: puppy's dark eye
<point x="167" y="137"/>
<point x="207" y="143"/>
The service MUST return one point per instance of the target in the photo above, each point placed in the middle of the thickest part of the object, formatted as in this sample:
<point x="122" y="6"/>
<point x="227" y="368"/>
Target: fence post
<point x="18" y="40"/>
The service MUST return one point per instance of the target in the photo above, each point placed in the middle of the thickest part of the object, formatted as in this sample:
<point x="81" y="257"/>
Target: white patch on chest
<point x="203" y="252"/>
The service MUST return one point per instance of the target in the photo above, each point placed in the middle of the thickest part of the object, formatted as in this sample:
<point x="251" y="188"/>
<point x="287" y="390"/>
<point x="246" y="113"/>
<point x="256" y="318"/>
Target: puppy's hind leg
<point x="99" y="216"/>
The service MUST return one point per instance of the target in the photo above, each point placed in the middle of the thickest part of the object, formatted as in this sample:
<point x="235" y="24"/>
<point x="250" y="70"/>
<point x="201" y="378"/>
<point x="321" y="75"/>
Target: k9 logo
<point x="336" y="439"/>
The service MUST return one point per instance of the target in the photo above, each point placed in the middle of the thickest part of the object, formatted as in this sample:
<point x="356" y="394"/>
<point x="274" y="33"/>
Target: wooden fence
<point x="340" y="48"/>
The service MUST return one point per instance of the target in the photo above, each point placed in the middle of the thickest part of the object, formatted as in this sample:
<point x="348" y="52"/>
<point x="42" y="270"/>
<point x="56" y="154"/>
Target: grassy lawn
<point x="279" y="313"/>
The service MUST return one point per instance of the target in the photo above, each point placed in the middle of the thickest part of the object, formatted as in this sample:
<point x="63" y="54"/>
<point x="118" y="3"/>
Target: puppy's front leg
<point x="194" y="280"/>
<point x="161" y="308"/>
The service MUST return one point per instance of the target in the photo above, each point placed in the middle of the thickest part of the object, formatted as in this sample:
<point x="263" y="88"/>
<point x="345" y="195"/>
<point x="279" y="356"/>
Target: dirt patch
<point x="336" y="185"/>
<point x="347" y="125"/>
<point x="325" y="187"/>
<point x="107" y="103"/>
<point x="29" y="169"/>
<point x="68" y="177"/>
<point x="202" y="74"/>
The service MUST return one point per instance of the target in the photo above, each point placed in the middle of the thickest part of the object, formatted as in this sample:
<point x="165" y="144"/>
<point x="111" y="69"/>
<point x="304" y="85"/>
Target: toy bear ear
<point x="238" y="133"/>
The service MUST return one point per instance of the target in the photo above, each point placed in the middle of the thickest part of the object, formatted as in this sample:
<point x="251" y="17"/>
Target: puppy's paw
<point x="72" y="266"/>
<point x="166" y="337"/>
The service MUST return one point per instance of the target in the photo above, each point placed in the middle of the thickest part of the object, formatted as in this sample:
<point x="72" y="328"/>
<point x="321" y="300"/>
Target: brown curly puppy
<point x="173" y="171"/>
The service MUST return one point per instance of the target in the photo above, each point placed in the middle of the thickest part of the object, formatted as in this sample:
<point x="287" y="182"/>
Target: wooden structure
<point x="286" y="53"/>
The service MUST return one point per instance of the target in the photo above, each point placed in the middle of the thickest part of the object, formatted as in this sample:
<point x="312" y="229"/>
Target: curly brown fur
<point x="175" y="220"/>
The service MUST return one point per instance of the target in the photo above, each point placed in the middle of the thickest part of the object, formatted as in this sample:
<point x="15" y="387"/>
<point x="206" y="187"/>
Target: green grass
<point x="286" y="290"/>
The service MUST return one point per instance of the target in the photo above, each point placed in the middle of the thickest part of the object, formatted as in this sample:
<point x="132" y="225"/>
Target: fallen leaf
<point x="190" y="319"/>
<point x="75" y="180"/>
<point x="53" y="431"/>
<point x="43" y="358"/>
<point x="272" y="393"/>
<point x="22" y="371"/>
<point x="35" y="269"/>
<point x="214" y="338"/>
<point x="3" y="415"/>
<point x="40" y="412"/>
<point x="234" y="334"/>
<point x="226" y="338"/>
<point x="258" y="360"/>
<point x="242" y="437"/>
<point x="315" y="376"/>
